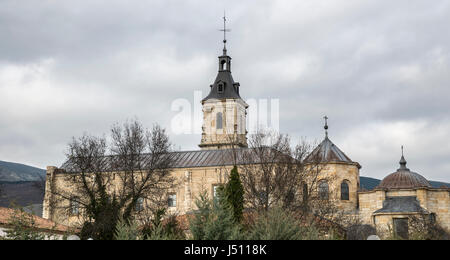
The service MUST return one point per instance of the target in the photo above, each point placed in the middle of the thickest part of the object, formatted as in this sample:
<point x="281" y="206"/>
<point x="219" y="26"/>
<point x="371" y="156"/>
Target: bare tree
<point x="425" y="227"/>
<point x="112" y="182"/>
<point x="274" y="172"/>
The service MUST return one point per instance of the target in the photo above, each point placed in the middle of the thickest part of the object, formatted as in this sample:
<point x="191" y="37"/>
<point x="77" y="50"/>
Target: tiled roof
<point x="42" y="224"/>
<point x="403" y="178"/>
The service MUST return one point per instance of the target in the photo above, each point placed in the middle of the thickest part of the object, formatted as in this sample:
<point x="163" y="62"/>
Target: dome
<point x="403" y="178"/>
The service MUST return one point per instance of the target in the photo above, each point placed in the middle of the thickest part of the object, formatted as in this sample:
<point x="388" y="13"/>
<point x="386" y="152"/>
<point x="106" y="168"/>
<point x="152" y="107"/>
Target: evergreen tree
<point x="126" y="231"/>
<point x="201" y="216"/>
<point x="278" y="224"/>
<point x="214" y="221"/>
<point x="234" y="194"/>
<point x="163" y="227"/>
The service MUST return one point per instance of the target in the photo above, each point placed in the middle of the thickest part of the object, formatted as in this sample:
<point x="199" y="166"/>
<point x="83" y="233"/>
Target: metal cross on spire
<point x="224" y="30"/>
<point x="326" y="126"/>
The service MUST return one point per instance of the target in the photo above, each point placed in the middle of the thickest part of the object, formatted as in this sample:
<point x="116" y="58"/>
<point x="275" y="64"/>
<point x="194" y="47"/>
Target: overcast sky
<point x="380" y="70"/>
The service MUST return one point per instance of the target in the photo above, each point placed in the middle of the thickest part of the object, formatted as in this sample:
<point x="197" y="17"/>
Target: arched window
<point x="223" y="64"/>
<point x="219" y="121"/>
<point x="323" y="190"/>
<point x="344" y="191"/>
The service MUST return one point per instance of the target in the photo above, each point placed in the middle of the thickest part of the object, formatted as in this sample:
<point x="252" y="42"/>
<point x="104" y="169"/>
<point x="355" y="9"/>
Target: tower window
<point x="220" y="88"/>
<point x="219" y="120"/>
<point x="323" y="190"/>
<point x="344" y="191"/>
<point x="223" y="64"/>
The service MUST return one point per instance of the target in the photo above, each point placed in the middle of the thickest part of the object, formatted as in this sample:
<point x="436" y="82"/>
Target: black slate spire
<point x="224" y="86"/>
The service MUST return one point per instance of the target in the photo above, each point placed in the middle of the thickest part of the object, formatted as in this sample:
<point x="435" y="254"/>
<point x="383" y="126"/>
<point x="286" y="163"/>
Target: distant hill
<point x="21" y="194"/>
<point x="16" y="172"/>
<point x="368" y="183"/>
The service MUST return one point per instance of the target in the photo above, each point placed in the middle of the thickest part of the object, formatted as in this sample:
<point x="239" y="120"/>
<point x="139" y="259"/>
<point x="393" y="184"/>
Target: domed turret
<point x="403" y="178"/>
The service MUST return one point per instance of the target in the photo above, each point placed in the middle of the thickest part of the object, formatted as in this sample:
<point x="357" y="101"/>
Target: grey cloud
<point x="371" y="66"/>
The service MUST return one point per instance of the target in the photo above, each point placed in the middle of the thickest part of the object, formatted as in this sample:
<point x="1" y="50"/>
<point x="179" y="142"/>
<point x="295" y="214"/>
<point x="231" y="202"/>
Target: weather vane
<point x="326" y="126"/>
<point x="224" y="30"/>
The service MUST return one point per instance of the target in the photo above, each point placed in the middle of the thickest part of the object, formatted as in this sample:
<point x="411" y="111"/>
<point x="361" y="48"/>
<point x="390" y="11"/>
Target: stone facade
<point x="335" y="174"/>
<point x="434" y="201"/>
<point x="191" y="182"/>
<point x="224" y="126"/>
<point x="231" y="130"/>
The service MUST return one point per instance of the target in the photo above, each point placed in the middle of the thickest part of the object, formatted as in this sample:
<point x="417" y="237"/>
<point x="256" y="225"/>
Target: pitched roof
<point x="182" y="159"/>
<point x="231" y="88"/>
<point x="401" y="204"/>
<point x="326" y="152"/>
<point x="193" y="159"/>
<point x="41" y="224"/>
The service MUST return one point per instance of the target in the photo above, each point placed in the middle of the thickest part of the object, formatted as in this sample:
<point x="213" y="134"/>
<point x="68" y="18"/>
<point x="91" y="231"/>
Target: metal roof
<point x="327" y="151"/>
<point x="407" y="204"/>
<point x="403" y="178"/>
<point x="183" y="159"/>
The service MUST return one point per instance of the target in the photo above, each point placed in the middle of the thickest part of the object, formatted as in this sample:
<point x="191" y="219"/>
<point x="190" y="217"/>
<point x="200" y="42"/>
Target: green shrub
<point x="278" y="224"/>
<point x="214" y="219"/>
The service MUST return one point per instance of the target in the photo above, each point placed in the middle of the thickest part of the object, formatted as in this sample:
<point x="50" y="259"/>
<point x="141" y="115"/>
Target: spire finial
<point x="403" y="162"/>
<point x="224" y="30"/>
<point x="326" y="126"/>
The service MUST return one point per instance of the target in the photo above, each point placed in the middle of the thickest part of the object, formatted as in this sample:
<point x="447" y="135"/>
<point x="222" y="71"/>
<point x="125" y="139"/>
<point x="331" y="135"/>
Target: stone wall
<point x="368" y="203"/>
<point x="233" y="124"/>
<point x="189" y="184"/>
<point x="335" y="174"/>
<point x="436" y="201"/>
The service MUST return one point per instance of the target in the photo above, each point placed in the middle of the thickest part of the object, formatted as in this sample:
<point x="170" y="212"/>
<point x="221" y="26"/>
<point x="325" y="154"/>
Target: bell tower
<point x="224" y="111"/>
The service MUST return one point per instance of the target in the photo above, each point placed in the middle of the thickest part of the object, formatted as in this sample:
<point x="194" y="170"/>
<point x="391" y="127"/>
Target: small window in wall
<point x="263" y="198"/>
<point x="220" y="88"/>
<point x="305" y="192"/>
<point x="139" y="204"/>
<point x="345" y="193"/>
<point x="432" y="218"/>
<point x="401" y="227"/>
<point x="215" y="190"/>
<point x="290" y="196"/>
<point x="323" y="190"/>
<point x="172" y="200"/>
<point x="219" y="121"/>
<point x="74" y="206"/>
